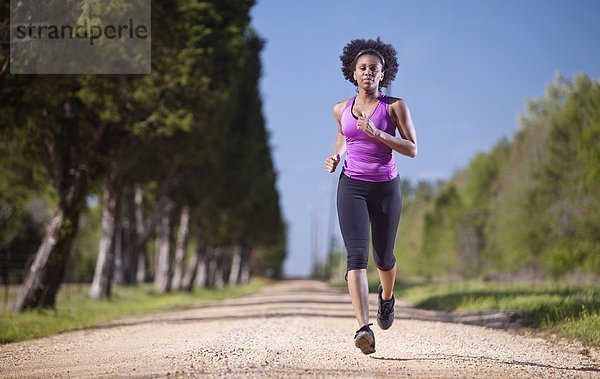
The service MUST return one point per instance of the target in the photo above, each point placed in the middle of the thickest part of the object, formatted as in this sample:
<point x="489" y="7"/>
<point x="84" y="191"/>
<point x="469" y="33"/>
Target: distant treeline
<point x="530" y="207"/>
<point x="129" y="178"/>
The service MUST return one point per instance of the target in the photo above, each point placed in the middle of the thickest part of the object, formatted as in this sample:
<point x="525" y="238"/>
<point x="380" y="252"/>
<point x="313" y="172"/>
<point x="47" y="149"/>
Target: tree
<point x="567" y="188"/>
<point x="530" y="206"/>
<point x="78" y="124"/>
<point x="160" y="134"/>
<point x="440" y="248"/>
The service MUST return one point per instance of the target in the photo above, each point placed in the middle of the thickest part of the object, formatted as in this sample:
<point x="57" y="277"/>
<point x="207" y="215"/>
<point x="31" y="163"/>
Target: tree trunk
<point x="103" y="276"/>
<point x="44" y="277"/>
<point x="139" y="247"/>
<point x="246" y="266"/>
<point x="201" y="279"/>
<point x="221" y="265"/>
<point x="118" y="249"/>
<point x="211" y="267"/>
<point x="164" y="259"/>
<point x="192" y="271"/>
<point x="166" y="187"/>
<point x="236" y="264"/>
<point x="225" y="266"/>
<point x="187" y="282"/>
<point x="142" y="267"/>
<point x="180" y="247"/>
<point x="245" y="275"/>
<point x="144" y="230"/>
<point x="127" y="271"/>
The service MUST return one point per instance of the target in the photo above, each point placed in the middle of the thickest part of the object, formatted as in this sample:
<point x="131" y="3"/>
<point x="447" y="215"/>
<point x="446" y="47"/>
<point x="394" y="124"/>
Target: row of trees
<point x="530" y="207"/>
<point x="179" y="156"/>
<point x="530" y="204"/>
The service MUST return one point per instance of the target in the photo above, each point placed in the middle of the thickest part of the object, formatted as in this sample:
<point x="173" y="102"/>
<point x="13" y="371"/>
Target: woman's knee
<point x="385" y="263"/>
<point x="357" y="260"/>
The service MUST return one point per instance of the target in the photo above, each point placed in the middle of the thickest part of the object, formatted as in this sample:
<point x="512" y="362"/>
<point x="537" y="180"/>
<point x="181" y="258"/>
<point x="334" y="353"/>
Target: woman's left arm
<point x="406" y="144"/>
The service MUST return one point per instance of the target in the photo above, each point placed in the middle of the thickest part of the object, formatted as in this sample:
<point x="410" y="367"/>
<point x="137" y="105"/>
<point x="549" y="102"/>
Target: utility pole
<point x="314" y="239"/>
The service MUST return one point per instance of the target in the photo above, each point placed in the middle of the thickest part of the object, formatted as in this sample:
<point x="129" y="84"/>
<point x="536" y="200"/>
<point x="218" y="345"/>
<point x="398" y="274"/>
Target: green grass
<point x="572" y="312"/>
<point x="74" y="310"/>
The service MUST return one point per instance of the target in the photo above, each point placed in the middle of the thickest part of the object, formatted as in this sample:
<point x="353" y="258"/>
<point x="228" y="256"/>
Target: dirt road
<point x="291" y="329"/>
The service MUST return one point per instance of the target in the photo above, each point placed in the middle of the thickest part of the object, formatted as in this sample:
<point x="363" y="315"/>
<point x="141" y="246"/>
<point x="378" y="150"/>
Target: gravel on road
<point x="298" y="329"/>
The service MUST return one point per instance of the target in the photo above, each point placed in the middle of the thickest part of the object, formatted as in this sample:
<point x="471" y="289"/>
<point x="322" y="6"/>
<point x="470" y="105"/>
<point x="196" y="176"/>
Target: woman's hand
<point x="331" y="163"/>
<point x="367" y="126"/>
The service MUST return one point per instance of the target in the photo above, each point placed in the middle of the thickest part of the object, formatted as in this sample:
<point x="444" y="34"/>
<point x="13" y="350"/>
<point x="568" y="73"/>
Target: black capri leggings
<point x="360" y="202"/>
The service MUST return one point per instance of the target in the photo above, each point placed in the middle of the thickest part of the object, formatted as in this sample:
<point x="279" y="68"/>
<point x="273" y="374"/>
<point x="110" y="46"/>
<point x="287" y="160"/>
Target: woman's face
<point x="368" y="71"/>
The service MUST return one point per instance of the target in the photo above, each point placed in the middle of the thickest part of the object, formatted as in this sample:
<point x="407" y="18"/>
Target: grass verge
<point x="74" y="310"/>
<point x="572" y="312"/>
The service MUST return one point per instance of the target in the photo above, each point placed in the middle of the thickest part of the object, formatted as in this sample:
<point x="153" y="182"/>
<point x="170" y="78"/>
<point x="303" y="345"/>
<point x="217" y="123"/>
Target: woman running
<point x="368" y="197"/>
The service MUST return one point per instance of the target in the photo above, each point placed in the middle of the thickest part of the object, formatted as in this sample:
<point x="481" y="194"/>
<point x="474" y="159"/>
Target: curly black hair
<point x="385" y="52"/>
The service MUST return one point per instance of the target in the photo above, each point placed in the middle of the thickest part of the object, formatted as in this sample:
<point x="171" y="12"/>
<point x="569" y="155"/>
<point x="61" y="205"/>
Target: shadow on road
<point x="500" y="361"/>
<point x="308" y="299"/>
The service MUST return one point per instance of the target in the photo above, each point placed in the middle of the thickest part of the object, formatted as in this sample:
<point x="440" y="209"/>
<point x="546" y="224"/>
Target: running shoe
<point x="385" y="312"/>
<point x="364" y="339"/>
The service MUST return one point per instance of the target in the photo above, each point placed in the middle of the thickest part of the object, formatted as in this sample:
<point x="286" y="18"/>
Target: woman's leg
<point x="354" y="224"/>
<point x="387" y="279"/>
<point x="384" y="210"/>
<point x="358" y="286"/>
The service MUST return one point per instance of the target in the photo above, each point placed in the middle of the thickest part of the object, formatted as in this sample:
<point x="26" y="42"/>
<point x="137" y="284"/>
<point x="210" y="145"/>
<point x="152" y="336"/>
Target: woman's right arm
<point x="339" y="147"/>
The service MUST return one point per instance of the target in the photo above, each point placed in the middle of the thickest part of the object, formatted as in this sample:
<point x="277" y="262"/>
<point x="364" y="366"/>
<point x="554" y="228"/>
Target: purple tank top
<point x="367" y="158"/>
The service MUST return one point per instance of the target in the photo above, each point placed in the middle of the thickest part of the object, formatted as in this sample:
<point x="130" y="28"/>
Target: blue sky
<point x="467" y="69"/>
